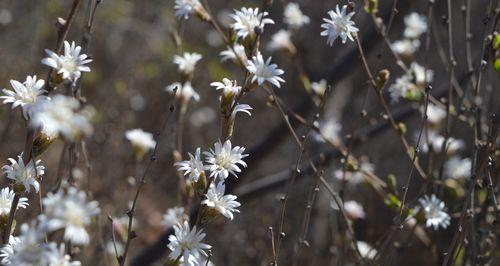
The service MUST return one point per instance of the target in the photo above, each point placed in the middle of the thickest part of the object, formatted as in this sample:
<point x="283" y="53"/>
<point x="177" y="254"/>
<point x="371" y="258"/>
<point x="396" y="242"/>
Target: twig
<point x="131" y="212"/>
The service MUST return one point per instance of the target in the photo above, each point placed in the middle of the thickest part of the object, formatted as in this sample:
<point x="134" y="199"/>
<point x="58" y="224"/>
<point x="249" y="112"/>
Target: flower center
<point x="69" y="64"/>
<point x="224" y="160"/>
<point x="74" y="215"/>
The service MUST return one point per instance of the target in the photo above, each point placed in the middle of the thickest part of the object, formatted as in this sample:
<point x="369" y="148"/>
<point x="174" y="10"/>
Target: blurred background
<point x="132" y="53"/>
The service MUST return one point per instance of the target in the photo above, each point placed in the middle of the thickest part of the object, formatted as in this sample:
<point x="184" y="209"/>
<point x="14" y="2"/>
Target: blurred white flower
<point x="319" y="87"/>
<point x="436" y="141"/>
<point x="457" y="168"/>
<point x="24" y="94"/>
<point x="6" y="198"/>
<point x="247" y="20"/>
<point x="56" y="256"/>
<point x="227" y="86"/>
<point x="175" y="215"/>
<point x="281" y="40"/>
<point x="419" y="74"/>
<point x="366" y="251"/>
<point x="5" y="16"/>
<point x="224" y="204"/>
<point x="184" y="91"/>
<point x="329" y="129"/>
<point x="193" y="167"/>
<point x="61" y="116"/>
<point x="184" y="8"/>
<point x="140" y="139"/>
<point x="339" y="24"/>
<point x="435" y="113"/>
<point x="354" y="210"/>
<point x="239" y="52"/>
<point x="294" y="17"/>
<point x="25" y="250"/>
<point x="186" y="244"/>
<point x="71" y="211"/>
<point x="433" y="209"/>
<point x="405" y="46"/>
<point x="356" y="177"/>
<point x="264" y="71"/>
<point x="415" y="25"/>
<point x="400" y="87"/>
<point x="71" y="64"/>
<point x="224" y="160"/>
<point x="187" y="62"/>
<point x="110" y="248"/>
<point x="24" y="174"/>
<point x="202" y="116"/>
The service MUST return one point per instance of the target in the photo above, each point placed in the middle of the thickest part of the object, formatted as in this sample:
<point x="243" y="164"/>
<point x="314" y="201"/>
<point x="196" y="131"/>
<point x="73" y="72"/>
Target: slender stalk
<point x="12" y="213"/>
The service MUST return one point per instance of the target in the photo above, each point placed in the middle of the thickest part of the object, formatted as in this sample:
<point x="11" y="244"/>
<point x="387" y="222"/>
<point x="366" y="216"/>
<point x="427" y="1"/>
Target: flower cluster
<point x="68" y="210"/>
<point x="29" y="248"/>
<point x="220" y="162"/>
<point x="47" y="118"/>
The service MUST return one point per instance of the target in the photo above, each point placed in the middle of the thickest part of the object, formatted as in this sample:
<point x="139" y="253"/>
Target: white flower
<point x="224" y="204"/>
<point x="186" y="244"/>
<point x="281" y="41"/>
<point x="239" y="52"/>
<point x="400" y="87"/>
<point x="184" y="8"/>
<point x="228" y="87"/>
<point x="457" y="168"/>
<point x="175" y="215"/>
<point x="184" y="92"/>
<point x="56" y="256"/>
<point x="366" y="251"/>
<point x="415" y="25"/>
<point x="25" y="174"/>
<point x="434" y="212"/>
<point x="6" y="198"/>
<point x="61" y="115"/>
<point x="71" y="211"/>
<point x="25" y="250"/>
<point x="339" y="24"/>
<point x="419" y="74"/>
<point x="193" y="167"/>
<point x="405" y="46"/>
<point x="329" y="129"/>
<point x="25" y="94"/>
<point x="319" y="87"/>
<point x="200" y="260"/>
<point x="71" y="64"/>
<point x="140" y="139"/>
<point x="247" y="20"/>
<point x="224" y="160"/>
<point x="7" y="251"/>
<point x="264" y="71"/>
<point x="294" y="17"/>
<point x="435" y="113"/>
<point x="244" y="108"/>
<point x="354" y="210"/>
<point x="187" y="62"/>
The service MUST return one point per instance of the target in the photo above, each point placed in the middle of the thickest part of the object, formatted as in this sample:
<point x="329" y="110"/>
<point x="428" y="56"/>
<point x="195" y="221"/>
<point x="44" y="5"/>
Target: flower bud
<point x="209" y="214"/>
